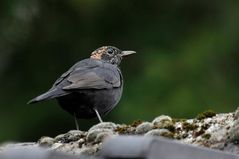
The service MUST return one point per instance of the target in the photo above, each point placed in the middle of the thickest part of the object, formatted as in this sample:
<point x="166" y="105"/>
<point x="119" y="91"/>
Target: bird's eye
<point x="110" y="51"/>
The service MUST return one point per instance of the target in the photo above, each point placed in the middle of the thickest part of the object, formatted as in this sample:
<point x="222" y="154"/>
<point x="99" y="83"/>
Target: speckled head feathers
<point x="110" y="54"/>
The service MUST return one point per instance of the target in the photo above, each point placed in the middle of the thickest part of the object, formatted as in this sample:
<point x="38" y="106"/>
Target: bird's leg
<point x="98" y="115"/>
<point x="76" y="122"/>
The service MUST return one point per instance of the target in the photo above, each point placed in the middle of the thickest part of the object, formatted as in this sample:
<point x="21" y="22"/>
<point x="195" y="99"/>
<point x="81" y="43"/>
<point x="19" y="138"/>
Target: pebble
<point x="92" y="135"/>
<point x="74" y="135"/>
<point x="103" y="135"/>
<point x="144" y="128"/>
<point x="104" y="125"/>
<point x="159" y="132"/>
<point x="46" y="141"/>
<point x="162" y="121"/>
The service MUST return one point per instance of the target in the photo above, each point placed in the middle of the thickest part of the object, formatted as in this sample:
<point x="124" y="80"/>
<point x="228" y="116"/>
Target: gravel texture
<point x="208" y="129"/>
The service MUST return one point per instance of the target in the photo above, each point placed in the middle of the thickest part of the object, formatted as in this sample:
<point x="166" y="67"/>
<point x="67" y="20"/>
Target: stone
<point x="160" y="132"/>
<point x="75" y="135"/>
<point x="237" y="113"/>
<point x="234" y="130"/>
<point x="104" y="125"/>
<point x="59" y="137"/>
<point x="92" y="135"/>
<point x="56" y="145"/>
<point x="162" y="121"/>
<point x="161" y="118"/>
<point x="219" y="131"/>
<point x="103" y="135"/>
<point x="144" y="128"/>
<point x="46" y="141"/>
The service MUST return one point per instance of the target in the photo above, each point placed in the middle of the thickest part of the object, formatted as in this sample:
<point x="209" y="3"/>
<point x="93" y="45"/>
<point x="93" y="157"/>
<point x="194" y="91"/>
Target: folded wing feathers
<point x="90" y="80"/>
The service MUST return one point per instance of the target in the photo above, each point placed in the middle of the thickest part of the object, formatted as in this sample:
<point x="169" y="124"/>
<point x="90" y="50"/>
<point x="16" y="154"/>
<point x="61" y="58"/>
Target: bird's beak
<point x="127" y="53"/>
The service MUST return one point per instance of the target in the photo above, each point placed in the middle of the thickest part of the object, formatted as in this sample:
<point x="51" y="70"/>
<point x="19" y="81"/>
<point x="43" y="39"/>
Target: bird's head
<point x="110" y="54"/>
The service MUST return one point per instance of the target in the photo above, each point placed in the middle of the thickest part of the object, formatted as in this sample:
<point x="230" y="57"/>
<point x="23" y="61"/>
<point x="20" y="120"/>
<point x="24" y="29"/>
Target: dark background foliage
<point x="187" y="59"/>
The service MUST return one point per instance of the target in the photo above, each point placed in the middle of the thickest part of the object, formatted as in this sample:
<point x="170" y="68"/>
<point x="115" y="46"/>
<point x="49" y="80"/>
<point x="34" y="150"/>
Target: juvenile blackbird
<point x="92" y="87"/>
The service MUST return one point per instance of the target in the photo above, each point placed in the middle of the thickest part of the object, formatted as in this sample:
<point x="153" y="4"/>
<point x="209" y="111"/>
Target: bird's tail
<point x="52" y="93"/>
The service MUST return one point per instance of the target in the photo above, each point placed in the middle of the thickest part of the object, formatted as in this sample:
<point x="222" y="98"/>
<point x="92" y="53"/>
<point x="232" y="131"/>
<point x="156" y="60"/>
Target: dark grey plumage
<point x="92" y="87"/>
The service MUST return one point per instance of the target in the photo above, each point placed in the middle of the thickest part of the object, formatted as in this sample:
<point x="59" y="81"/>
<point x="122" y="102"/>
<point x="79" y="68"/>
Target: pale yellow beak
<point x="127" y="53"/>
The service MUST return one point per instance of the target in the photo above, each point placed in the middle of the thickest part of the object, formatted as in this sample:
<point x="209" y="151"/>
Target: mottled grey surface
<point x="210" y="130"/>
<point x="157" y="148"/>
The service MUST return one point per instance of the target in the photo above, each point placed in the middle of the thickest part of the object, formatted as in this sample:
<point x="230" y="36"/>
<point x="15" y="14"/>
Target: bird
<point x="90" y="88"/>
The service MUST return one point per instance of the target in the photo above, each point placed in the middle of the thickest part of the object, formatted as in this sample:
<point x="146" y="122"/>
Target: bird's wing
<point x="101" y="77"/>
<point x="84" y="64"/>
<point x="86" y="74"/>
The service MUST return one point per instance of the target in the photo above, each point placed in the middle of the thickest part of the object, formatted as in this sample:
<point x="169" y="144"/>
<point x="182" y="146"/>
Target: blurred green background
<point x="187" y="61"/>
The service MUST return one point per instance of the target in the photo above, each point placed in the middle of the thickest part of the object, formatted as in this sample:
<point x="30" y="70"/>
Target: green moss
<point x="136" y="123"/>
<point x="169" y="126"/>
<point x="181" y="136"/>
<point x="206" y="136"/>
<point x="206" y="114"/>
<point x="184" y="136"/>
<point x="122" y="129"/>
<point x="178" y="120"/>
<point x="187" y="126"/>
<point x="178" y="137"/>
<point x="198" y="133"/>
<point x="205" y="126"/>
<point x="168" y="135"/>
